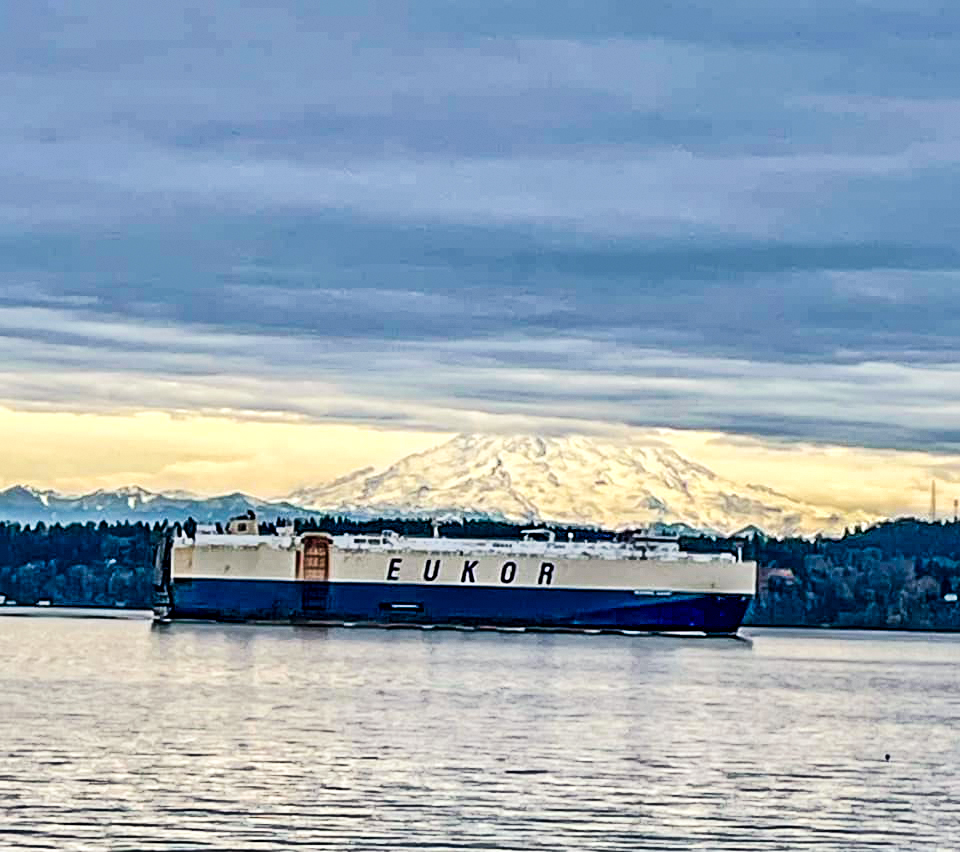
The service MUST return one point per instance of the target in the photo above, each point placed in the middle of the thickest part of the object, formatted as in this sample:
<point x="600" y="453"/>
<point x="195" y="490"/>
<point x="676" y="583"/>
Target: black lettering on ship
<point x="431" y="570"/>
<point x="393" y="570"/>
<point x="508" y="572"/>
<point x="546" y="574"/>
<point x="468" y="568"/>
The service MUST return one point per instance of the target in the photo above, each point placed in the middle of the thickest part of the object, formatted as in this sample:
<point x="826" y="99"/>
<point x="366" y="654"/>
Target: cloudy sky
<point x="248" y="245"/>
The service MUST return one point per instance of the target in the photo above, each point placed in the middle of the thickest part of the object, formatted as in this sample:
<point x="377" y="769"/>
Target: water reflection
<point x="116" y="735"/>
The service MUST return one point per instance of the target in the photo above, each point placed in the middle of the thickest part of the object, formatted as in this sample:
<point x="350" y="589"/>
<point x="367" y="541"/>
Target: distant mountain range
<point x="574" y="480"/>
<point x="29" y="505"/>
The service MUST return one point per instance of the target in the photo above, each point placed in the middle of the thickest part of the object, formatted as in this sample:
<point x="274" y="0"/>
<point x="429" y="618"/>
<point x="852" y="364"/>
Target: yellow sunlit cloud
<point x="208" y="455"/>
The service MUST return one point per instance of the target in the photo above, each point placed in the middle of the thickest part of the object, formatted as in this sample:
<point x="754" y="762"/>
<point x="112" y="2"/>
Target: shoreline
<point x="94" y="611"/>
<point x="72" y="611"/>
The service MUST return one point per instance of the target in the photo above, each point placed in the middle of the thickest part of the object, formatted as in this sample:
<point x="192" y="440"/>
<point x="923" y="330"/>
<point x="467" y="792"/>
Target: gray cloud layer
<point x="739" y="217"/>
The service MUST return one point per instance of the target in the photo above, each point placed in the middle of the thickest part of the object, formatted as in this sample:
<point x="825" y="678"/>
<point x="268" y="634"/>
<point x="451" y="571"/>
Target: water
<point x="117" y="735"/>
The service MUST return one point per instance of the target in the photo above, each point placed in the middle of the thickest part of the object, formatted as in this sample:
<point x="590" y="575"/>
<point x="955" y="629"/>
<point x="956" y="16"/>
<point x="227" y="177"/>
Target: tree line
<point x="79" y="564"/>
<point x="898" y="574"/>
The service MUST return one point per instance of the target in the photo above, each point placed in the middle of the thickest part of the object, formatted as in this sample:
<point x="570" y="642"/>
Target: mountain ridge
<point x="573" y="479"/>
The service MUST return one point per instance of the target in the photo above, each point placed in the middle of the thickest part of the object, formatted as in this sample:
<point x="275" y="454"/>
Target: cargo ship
<point x="643" y="583"/>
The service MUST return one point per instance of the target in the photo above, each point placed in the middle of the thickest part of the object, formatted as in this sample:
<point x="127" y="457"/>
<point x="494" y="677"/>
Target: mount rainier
<point x="573" y="480"/>
<point x="576" y="479"/>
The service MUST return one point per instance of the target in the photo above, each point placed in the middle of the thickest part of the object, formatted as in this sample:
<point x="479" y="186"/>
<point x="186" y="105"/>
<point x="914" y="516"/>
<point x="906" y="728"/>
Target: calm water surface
<point x="117" y="735"/>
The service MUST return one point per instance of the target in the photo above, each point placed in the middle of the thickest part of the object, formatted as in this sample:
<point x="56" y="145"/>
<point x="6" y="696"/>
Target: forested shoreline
<point x="901" y="574"/>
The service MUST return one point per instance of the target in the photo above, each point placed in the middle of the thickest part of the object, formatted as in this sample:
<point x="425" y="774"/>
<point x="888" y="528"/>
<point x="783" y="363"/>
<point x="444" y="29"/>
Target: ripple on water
<point x="116" y="736"/>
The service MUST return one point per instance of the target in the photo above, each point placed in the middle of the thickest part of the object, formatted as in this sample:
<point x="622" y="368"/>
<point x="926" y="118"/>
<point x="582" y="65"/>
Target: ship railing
<point x="529" y="547"/>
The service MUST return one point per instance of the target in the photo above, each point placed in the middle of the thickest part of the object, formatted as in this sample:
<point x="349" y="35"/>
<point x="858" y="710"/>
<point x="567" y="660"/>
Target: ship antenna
<point x="933" y="501"/>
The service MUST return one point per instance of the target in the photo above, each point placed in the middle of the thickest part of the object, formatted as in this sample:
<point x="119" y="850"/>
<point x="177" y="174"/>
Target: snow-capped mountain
<point x="27" y="505"/>
<point x="574" y="479"/>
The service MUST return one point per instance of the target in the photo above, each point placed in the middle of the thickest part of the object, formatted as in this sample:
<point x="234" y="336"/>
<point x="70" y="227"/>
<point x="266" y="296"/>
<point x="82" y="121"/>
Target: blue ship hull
<point x="478" y="606"/>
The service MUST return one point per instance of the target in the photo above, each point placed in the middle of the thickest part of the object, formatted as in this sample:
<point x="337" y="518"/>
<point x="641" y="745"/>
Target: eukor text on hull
<point x="644" y="583"/>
